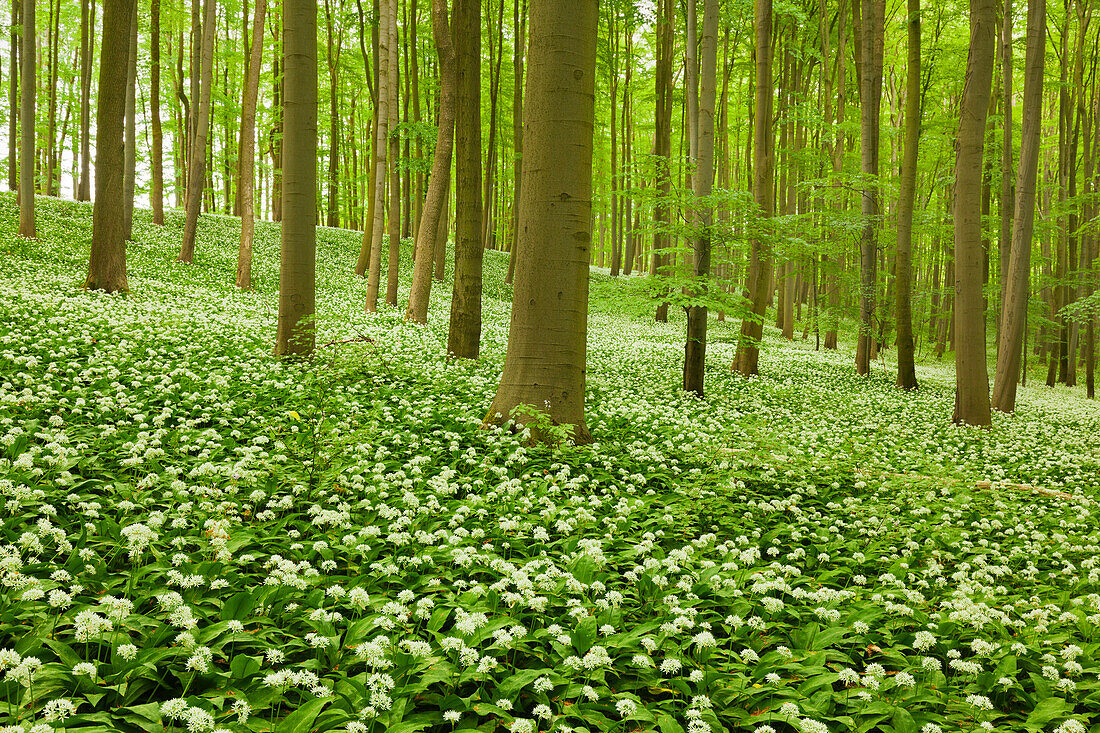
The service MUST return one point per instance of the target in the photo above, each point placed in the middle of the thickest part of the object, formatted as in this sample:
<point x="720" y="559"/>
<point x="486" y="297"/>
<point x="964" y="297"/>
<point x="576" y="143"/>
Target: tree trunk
<point x="296" y="334"/>
<point x="131" y="130"/>
<point x="248" y="146"/>
<point x="333" y="217"/>
<point x="156" y="189"/>
<point x="746" y="362"/>
<point x="13" y="96"/>
<point x="196" y="178"/>
<point x="544" y="368"/>
<point x="1006" y="202"/>
<point x="871" y="48"/>
<point x="53" y="46"/>
<point x="903" y="271"/>
<point x="107" y="262"/>
<point x="519" y="22"/>
<point x="664" y="28"/>
<point x="1013" y="321"/>
<point x="277" y="127"/>
<point x="393" y="261"/>
<point x="972" y="382"/>
<point x="695" y="348"/>
<point x="29" y="54"/>
<point x="441" y="168"/>
<point x="386" y="78"/>
<point x="442" y="231"/>
<point x="464" y="333"/>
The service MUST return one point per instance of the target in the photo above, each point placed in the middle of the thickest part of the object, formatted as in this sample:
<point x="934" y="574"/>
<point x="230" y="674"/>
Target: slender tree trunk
<point x="1013" y="321"/>
<point x="296" y="333"/>
<point x="53" y="45"/>
<point x="394" y="259"/>
<point x="156" y="190"/>
<point x="907" y="375"/>
<point x="362" y="265"/>
<point x="495" y="57"/>
<point x="333" y="218"/>
<point x="386" y="78"/>
<point x="248" y="146"/>
<point x="547" y="349"/>
<point x="1005" y="241"/>
<point x="746" y="362"/>
<point x="277" y="127"/>
<point x="831" y="267"/>
<point x="131" y="130"/>
<point x="13" y="96"/>
<point x="29" y="54"/>
<point x="442" y="232"/>
<point x="426" y="236"/>
<point x="696" y="344"/>
<point x="197" y="169"/>
<point x="871" y="43"/>
<point x="107" y="262"/>
<point x="519" y="22"/>
<point x="972" y="382"/>
<point x="663" y="147"/>
<point x="464" y="334"/>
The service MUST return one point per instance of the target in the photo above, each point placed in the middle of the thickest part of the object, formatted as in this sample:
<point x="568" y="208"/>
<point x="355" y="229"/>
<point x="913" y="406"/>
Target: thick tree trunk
<point x="426" y="236"/>
<point x="248" y="146"/>
<point x="29" y="55"/>
<point x="871" y="46"/>
<point x="746" y="362"/>
<point x="544" y="369"/>
<point x="107" y="263"/>
<point x="903" y="271"/>
<point x="695" y="348"/>
<point x="464" y="333"/>
<point x="156" y="187"/>
<point x="971" y="379"/>
<point x="296" y="333"/>
<point x="131" y="130"/>
<point x="196" y="178"/>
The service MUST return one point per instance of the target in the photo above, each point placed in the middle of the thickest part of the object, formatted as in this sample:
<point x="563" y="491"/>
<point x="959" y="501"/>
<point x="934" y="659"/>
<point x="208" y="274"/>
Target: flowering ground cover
<point x="197" y="537"/>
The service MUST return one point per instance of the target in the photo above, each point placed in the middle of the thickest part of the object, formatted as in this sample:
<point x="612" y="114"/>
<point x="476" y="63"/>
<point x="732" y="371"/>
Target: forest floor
<point x="196" y="536"/>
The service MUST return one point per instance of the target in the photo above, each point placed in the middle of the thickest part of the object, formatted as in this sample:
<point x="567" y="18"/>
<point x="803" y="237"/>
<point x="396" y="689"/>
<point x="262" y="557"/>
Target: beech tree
<point x="248" y="146"/>
<point x="1013" y="321"/>
<point x="695" y="349"/>
<point x="297" y="265"/>
<point x="746" y="361"/>
<point x="971" y="378"/>
<point x="434" y="202"/>
<point x="196" y="169"/>
<point x="29" y="54"/>
<point x="907" y="375"/>
<point x="547" y="338"/>
<point x="870" y="84"/>
<point x="464" y="333"/>
<point x="107" y="262"/>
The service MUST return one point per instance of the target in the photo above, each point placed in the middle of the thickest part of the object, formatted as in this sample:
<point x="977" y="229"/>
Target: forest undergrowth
<point x="198" y="537"/>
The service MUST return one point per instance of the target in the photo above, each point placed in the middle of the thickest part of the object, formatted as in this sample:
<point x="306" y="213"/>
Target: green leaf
<point x="585" y="635"/>
<point x="903" y="722"/>
<point x="301" y="719"/>
<point x="1047" y="710"/>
